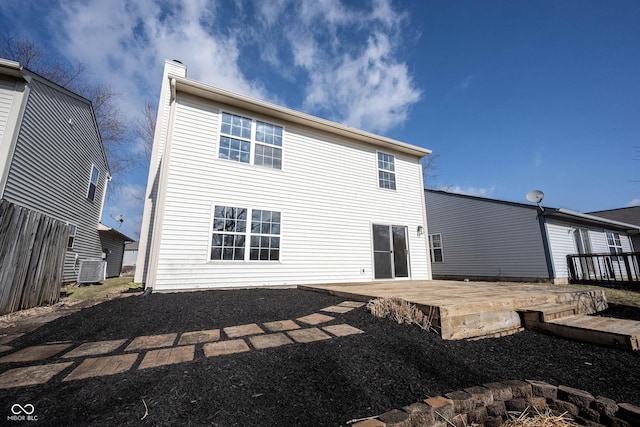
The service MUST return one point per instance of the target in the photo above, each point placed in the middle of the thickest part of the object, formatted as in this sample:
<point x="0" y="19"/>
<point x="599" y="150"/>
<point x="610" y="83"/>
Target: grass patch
<point x="105" y="289"/>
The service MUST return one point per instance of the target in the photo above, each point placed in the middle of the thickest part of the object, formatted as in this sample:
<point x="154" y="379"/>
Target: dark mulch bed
<point x="322" y="383"/>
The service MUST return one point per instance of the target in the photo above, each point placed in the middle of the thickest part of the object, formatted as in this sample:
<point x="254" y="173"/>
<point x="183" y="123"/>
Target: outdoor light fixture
<point x="420" y="231"/>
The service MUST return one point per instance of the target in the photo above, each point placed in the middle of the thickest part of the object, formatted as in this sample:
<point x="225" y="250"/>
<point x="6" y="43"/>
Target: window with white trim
<point x="613" y="240"/>
<point x="72" y="235"/>
<point x="386" y="171"/>
<point x="245" y="140"/>
<point x="230" y="234"/>
<point x="435" y="247"/>
<point x="93" y="183"/>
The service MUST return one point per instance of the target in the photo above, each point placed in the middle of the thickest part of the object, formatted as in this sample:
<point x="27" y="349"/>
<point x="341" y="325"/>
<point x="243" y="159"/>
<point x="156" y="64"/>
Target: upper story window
<point x="386" y="171"/>
<point x="247" y="141"/>
<point x="72" y="235"/>
<point x="435" y="247"/>
<point x="230" y="234"/>
<point x="613" y="240"/>
<point x="93" y="183"/>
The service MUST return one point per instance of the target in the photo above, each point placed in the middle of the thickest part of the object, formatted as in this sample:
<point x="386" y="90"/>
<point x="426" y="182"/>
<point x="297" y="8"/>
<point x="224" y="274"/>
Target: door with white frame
<point x="390" y="251"/>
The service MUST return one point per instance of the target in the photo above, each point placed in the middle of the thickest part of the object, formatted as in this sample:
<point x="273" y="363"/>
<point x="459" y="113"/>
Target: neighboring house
<point x="486" y="239"/>
<point x="130" y="257"/>
<point x="52" y="160"/>
<point x="630" y="215"/>
<point x="113" y="249"/>
<point x="242" y="192"/>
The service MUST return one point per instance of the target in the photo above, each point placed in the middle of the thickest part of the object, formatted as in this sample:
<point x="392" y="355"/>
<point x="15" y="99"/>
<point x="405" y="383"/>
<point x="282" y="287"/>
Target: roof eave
<point x="566" y="213"/>
<point x="240" y="101"/>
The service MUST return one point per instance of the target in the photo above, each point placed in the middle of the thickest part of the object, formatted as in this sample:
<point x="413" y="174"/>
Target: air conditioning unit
<point x="92" y="271"/>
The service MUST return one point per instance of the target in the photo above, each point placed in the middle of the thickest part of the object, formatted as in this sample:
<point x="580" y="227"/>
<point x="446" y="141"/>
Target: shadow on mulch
<point x="621" y="312"/>
<point x="315" y="384"/>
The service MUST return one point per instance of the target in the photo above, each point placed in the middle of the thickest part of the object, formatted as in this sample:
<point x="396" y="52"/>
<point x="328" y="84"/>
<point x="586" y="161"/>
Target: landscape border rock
<point x="492" y="404"/>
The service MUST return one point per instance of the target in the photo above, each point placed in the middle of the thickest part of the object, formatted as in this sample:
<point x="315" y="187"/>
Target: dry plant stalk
<point x="545" y="419"/>
<point x="401" y="311"/>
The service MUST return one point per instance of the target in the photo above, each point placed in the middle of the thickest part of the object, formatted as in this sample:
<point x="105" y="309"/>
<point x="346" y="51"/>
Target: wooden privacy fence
<point x="32" y="250"/>
<point x="622" y="268"/>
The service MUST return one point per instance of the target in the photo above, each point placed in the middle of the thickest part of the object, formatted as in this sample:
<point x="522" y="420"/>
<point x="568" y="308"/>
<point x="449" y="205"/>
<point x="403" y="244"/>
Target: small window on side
<point x="72" y="235"/>
<point x="93" y="183"/>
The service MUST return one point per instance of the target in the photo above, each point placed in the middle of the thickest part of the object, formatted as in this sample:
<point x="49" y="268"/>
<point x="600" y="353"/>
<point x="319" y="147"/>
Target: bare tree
<point x="146" y="127"/>
<point x="72" y="76"/>
<point x="429" y="168"/>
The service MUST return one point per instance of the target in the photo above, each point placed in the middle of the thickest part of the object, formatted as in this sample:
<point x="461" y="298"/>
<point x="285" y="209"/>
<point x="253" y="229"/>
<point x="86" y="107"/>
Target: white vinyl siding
<point x="562" y="243"/>
<point x="325" y="193"/>
<point x="485" y="239"/>
<point x="50" y="164"/>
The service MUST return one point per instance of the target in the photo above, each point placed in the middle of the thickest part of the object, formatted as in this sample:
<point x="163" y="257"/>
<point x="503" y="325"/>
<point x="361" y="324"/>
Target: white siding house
<point x="51" y="158"/>
<point x="486" y="239"/>
<point x="246" y="193"/>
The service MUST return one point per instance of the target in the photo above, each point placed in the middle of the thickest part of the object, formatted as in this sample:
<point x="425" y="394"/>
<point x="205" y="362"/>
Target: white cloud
<point x="634" y="202"/>
<point x="469" y="191"/>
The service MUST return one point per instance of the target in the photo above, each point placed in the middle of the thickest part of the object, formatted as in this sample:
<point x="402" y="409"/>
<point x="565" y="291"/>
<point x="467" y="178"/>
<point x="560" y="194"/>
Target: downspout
<point x="545" y="242"/>
<point x="156" y="236"/>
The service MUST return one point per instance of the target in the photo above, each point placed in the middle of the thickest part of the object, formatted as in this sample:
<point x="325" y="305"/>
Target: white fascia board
<point x="250" y="104"/>
<point x="597" y="219"/>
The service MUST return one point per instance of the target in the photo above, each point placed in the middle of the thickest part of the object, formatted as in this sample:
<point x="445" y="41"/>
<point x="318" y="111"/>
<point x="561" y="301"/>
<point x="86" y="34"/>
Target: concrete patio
<point x="473" y="309"/>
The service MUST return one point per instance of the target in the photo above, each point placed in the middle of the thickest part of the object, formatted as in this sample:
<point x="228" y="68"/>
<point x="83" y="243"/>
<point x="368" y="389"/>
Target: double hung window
<point x="93" y="183"/>
<point x="386" y="171"/>
<point x="613" y="240"/>
<point x="435" y="247"/>
<point x="232" y="229"/>
<point x="72" y="235"/>
<point x="245" y="140"/>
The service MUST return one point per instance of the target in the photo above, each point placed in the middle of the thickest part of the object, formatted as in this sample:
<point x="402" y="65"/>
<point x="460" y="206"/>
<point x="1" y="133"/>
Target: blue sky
<point x="512" y="95"/>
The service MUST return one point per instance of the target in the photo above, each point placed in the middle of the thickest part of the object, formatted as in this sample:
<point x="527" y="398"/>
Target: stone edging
<point x="488" y="405"/>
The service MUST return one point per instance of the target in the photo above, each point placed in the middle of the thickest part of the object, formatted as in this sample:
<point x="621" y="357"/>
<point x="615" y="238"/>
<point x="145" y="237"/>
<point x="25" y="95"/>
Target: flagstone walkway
<point x="94" y="359"/>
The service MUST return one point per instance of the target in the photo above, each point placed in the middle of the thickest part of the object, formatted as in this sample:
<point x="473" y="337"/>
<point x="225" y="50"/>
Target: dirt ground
<point x="321" y="383"/>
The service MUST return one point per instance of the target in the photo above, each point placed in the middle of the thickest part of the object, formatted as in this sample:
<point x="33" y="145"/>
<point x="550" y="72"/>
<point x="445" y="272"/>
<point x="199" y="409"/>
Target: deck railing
<point x="622" y="268"/>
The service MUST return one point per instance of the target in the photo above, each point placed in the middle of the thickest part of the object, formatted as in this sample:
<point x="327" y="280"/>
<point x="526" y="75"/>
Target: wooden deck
<point x="473" y="309"/>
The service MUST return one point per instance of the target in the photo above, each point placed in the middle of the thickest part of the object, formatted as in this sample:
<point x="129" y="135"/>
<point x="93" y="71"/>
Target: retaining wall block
<point x="518" y="404"/>
<point x="395" y="418"/>
<point x="519" y="388"/>
<point x="463" y="401"/>
<point x="459" y="420"/>
<point x="478" y="415"/>
<point x="443" y="408"/>
<point x="500" y="391"/>
<point x="587" y="423"/>
<point x="590" y="414"/>
<point x="537" y="403"/>
<point x="482" y="396"/>
<point x="605" y="406"/>
<point x="576" y="396"/>
<point x="497" y="409"/>
<point x="369" y="423"/>
<point x="493" y="421"/>
<point x="617" y="422"/>
<point x="542" y="389"/>
<point x="420" y="414"/>
<point x="629" y="412"/>
<point x="560" y="407"/>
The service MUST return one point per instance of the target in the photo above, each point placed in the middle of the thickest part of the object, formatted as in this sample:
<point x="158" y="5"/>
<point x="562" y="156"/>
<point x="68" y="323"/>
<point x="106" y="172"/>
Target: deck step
<point x="547" y="312"/>
<point x="605" y="331"/>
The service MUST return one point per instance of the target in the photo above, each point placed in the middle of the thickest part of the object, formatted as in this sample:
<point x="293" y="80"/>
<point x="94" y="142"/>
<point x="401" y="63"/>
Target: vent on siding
<point x="92" y="271"/>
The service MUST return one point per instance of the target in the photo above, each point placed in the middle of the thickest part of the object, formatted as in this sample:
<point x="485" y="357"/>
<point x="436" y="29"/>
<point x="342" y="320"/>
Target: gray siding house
<point x="52" y="160"/>
<point x="487" y="239"/>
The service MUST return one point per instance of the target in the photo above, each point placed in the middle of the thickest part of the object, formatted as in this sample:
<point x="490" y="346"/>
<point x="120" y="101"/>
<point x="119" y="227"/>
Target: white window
<point x="613" y="240"/>
<point x="230" y="234"/>
<point x="239" y="136"/>
<point x="93" y="183"/>
<point x="72" y="235"/>
<point x="435" y="248"/>
<point x="386" y="171"/>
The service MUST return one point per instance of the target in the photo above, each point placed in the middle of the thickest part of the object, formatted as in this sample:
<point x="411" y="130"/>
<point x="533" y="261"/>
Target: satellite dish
<point x="535" y="196"/>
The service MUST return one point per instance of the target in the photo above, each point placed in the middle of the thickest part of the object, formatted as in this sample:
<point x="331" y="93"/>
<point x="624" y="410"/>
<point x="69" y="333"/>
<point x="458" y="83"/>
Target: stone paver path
<point x="95" y="359"/>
